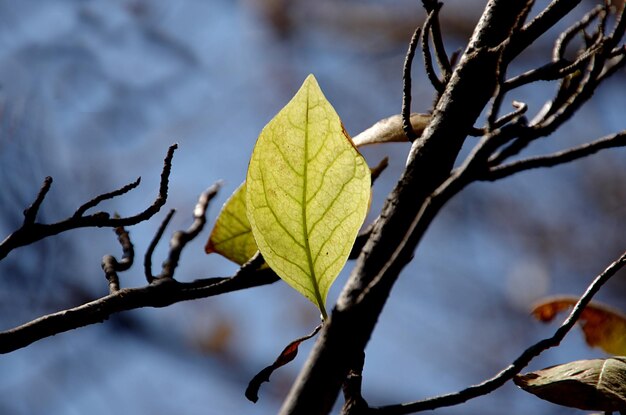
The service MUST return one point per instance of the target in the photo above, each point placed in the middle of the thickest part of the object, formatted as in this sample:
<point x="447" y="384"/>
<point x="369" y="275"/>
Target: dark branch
<point x="566" y="156"/>
<point x="181" y="238"/>
<point x="31" y="231"/>
<point x="406" y="88"/>
<point x="161" y="293"/>
<point x="437" y="83"/>
<point x="544" y="21"/>
<point x="106" y="196"/>
<point x="440" y="51"/>
<point x="514" y="368"/>
<point x="112" y="266"/>
<point x="147" y="261"/>
<point x="30" y="213"/>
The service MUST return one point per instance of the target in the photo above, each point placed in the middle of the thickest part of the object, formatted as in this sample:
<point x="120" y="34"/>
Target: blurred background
<point x="92" y="93"/>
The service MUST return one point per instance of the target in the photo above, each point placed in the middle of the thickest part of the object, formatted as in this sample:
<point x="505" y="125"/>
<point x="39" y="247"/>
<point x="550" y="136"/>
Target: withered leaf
<point x="602" y="326"/>
<point x="286" y="356"/>
<point x="597" y="384"/>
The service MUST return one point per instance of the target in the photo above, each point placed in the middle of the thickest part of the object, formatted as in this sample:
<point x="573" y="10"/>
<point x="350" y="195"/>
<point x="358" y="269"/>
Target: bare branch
<point x="440" y="52"/>
<point x="30" y="213"/>
<point x="106" y="196"/>
<point x="406" y="88"/>
<point x="112" y="266"/>
<point x="162" y="293"/>
<point x="181" y="238"/>
<point x="31" y="231"/>
<point x="147" y="261"/>
<point x="566" y="156"/>
<point x="518" y="364"/>
<point x="545" y="20"/>
<point x="520" y="109"/>
<point x="566" y="37"/>
<point x="437" y="83"/>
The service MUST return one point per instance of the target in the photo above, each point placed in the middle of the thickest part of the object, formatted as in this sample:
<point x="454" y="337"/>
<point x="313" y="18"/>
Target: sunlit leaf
<point x="602" y="326"/>
<point x="231" y="235"/>
<point x="308" y="191"/>
<point x="597" y="384"/>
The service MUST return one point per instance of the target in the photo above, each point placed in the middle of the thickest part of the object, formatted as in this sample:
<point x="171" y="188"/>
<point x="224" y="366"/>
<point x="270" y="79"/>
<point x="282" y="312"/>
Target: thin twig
<point x="520" y="109"/>
<point x="147" y="261"/>
<point x="31" y="232"/>
<point x="543" y="22"/>
<point x="406" y="88"/>
<point x="111" y="266"/>
<point x="30" y="213"/>
<point x="181" y="238"/>
<point x="558" y="52"/>
<point x="106" y="196"/>
<point x="440" y="51"/>
<point x="518" y="364"/>
<point x="428" y="60"/>
<point x="561" y="157"/>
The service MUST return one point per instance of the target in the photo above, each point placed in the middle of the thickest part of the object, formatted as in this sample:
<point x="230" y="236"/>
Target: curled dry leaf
<point x="390" y="130"/>
<point x="597" y="384"/>
<point x="287" y="355"/>
<point x="602" y="326"/>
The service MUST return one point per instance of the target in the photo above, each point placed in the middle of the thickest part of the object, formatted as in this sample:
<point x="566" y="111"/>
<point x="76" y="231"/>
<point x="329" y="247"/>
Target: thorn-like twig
<point x="106" y="196"/>
<point x="112" y="266"/>
<point x="437" y="83"/>
<point x="181" y="238"/>
<point x="520" y="109"/>
<point x="30" y="213"/>
<point x="147" y="261"/>
<point x="561" y="157"/>
<point x="406" y="88"/>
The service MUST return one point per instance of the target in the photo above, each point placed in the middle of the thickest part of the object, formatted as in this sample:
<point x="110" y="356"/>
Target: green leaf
<point x="308" y="191"/>
<point x="231" y="235"/>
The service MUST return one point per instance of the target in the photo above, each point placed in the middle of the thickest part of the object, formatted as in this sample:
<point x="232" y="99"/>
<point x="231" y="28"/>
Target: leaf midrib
<point x="305" y="231"/>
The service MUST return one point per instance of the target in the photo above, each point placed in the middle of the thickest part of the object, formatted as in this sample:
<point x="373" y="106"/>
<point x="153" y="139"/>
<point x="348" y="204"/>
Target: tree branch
<point x="561" y="157"/>
<point x="30" y="231"/>
<point x="518" y="364"/>
<point x="351" y="323"/>
<point x="409" y="131"/>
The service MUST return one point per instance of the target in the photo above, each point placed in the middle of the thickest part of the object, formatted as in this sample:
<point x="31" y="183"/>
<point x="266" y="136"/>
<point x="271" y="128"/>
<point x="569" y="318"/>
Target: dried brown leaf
<point x="602" y="326"/>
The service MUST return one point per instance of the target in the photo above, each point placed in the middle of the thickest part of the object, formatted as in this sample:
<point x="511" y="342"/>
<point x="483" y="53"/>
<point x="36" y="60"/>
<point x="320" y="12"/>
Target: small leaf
<point x="231" y="235"/>
<point x="287" y="355"/>
<point x="308" y="192"/>
<point x="597" y="384"/>
<point x="602" y="326"/>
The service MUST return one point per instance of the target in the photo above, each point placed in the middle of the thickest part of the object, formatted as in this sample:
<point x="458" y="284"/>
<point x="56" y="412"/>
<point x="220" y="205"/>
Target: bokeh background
<point x="93" y="93"/>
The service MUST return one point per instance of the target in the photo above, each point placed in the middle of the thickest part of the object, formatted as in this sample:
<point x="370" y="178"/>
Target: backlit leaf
<point x="597" y="384"/>
<point x="231" y="235"/>
<point x="602" y="326"/>
<point x="308" y="191"/>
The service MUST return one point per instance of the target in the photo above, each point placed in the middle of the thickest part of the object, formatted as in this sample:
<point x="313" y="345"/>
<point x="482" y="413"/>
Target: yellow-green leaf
<point x="307" y="193"/>
<point x="231" y="235"/>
